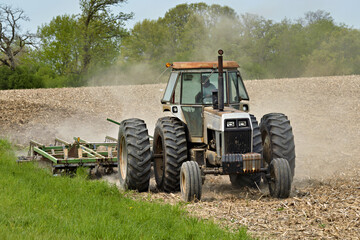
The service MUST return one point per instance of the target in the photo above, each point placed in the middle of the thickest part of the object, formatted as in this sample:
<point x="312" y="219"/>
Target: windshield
<point x="197" y="88"/>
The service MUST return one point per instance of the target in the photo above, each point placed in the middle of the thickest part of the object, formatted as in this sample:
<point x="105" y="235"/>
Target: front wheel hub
<point x="267" y="153"/>
<point x="123" y="158"/>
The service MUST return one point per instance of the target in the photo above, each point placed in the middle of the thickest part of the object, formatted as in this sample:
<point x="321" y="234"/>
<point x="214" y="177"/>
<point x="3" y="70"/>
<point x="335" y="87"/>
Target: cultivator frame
<point x="69" y="156"/>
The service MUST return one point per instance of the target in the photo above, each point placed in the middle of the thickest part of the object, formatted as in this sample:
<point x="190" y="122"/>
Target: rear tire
<point x="190" y="181"/>
<point x="277" y="139"/>
<point x="280" y="178"/>
<point x="134" y="156"/>
<point x="250" y="180"/>
<point x="170" y="151"/>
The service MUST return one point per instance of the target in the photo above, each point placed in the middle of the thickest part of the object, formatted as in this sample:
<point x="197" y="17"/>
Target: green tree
<point x="255" y="45"/>
<point x="148" y="41"/>
<point x="61" y="45"/>
<point x="102" y="32"/>
<point x="77" y="45"/>
<point x="340" y="55"/>
<point x="288" y="50"/>
<point x="186" y="33"/>
<point x="20" y="77"/>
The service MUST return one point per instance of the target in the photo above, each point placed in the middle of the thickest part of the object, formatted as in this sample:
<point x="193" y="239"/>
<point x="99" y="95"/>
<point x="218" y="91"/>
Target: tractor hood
<point x="216" y="120"/>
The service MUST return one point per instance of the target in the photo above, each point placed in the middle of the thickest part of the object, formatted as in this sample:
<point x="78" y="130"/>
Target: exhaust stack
<point x="220" y="81"/>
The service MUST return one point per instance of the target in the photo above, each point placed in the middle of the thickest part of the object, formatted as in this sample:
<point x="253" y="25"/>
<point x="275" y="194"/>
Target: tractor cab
<point x="192" y="83"/>
<point x="193" y="87"/>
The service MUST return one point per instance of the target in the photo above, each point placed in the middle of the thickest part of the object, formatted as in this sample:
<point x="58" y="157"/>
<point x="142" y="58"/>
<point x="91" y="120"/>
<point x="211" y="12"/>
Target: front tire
<point x="170" y="151"/>
<point x="134" y="156"/>
<point x="280" y="178"/>
<point x="190" y="181"/>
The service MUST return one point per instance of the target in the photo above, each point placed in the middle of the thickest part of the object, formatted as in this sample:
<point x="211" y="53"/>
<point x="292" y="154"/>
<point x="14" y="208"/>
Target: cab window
<point x="197" y="88"/>
<point x="237" y="89"/>
<point x="209" y="83"/>
<point x="191" y="86"/>
<point x="176" y="95"/>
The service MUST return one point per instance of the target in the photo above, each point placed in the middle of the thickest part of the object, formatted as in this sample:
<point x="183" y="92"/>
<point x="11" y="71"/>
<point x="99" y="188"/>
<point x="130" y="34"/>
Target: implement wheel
<point x="280" y="178"/>
<point x="277" y="139"/>
<point x="170" y="151"/>
<point x="190" y="181"/>
<point x="134" y="156"/>
<point x="250" y="180"/>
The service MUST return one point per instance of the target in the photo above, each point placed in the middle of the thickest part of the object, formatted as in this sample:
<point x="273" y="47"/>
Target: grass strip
<point x="36" y="205"/>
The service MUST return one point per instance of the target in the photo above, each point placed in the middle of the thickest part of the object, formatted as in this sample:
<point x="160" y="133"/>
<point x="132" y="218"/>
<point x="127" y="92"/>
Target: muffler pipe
<point x="220" y="81"/>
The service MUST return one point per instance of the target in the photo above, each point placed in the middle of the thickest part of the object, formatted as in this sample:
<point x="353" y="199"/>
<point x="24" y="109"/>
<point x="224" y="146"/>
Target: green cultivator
<point x="65" y="156"/>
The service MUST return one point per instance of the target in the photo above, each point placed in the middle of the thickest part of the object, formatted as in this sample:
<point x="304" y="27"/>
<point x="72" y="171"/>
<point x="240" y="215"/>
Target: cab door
<point x="192" y="109"/>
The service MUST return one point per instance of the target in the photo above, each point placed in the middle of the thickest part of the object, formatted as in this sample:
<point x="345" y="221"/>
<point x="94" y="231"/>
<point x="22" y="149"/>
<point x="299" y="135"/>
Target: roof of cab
<point x="200" y="65"/>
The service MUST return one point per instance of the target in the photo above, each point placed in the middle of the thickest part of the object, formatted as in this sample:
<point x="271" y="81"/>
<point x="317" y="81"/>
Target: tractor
<point x="210" y="131"/>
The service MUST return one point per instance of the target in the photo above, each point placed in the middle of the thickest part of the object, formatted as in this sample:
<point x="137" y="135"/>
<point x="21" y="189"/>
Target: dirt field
<point x="324" y="113"/>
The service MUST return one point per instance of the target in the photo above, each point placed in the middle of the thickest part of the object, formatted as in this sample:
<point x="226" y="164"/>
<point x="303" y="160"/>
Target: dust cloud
<point x="129" y="74"/>
<point x="324" y="113"/>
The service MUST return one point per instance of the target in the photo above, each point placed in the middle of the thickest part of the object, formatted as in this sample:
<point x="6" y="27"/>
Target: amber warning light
<point x="168" y="65"/>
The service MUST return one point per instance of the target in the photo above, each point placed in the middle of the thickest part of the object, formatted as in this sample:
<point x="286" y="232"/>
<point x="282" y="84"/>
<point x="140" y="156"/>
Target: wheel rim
<point x="267" y="148"/>
<point x="123" y="158"/>
<point x="159" y="162"/>
<point x="182" y="182"/>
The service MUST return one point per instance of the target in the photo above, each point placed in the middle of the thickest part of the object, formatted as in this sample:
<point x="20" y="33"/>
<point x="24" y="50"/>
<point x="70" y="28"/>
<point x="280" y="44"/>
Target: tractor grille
<point x="238" y="141"/>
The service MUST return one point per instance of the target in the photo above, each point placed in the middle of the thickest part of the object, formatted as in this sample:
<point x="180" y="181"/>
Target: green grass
<point x="36" y="205"/>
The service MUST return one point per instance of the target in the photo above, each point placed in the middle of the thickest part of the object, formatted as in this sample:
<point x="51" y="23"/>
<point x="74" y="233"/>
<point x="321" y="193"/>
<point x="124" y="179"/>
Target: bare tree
<point x="12" y="42"/>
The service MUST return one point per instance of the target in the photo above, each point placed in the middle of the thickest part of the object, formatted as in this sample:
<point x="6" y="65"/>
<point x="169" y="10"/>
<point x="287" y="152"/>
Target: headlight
<point x="230" y="124"/>
<point x="242" y="123"/>
<point x="245" y="108"/>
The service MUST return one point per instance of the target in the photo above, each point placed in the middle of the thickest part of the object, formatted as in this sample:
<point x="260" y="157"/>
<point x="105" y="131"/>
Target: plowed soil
<point x="325" y="116"/>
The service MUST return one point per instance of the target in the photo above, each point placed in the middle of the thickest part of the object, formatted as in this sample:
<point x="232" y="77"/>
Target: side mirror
<point x="237" y="99"/>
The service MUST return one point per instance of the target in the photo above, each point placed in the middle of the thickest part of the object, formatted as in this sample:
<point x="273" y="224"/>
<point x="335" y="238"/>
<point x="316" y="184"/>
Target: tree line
<point x="72" y="49"/>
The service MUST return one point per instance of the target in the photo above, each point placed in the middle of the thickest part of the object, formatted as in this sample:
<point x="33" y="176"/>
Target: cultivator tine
<point x="80" y="140"/>
<point x="92" y="151"/>
<point x="58" y="140"/>
<point x="110" y="152"/>
<point x="66" y="153"/>
<point x="80" y="155"/>
<point x="32" y="142"/>
<point x="45" y="154"/>
<point x="110" y="139"/>
<point x="31" y="149"/>
<point x="88" y="153"/>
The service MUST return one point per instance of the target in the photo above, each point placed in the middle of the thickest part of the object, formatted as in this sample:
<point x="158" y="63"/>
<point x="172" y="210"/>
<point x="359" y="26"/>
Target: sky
<point x="343" y="11"/>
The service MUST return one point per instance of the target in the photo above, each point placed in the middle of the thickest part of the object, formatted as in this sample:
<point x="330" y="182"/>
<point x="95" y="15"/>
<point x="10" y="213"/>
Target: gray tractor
<point x="210" y="132"/>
